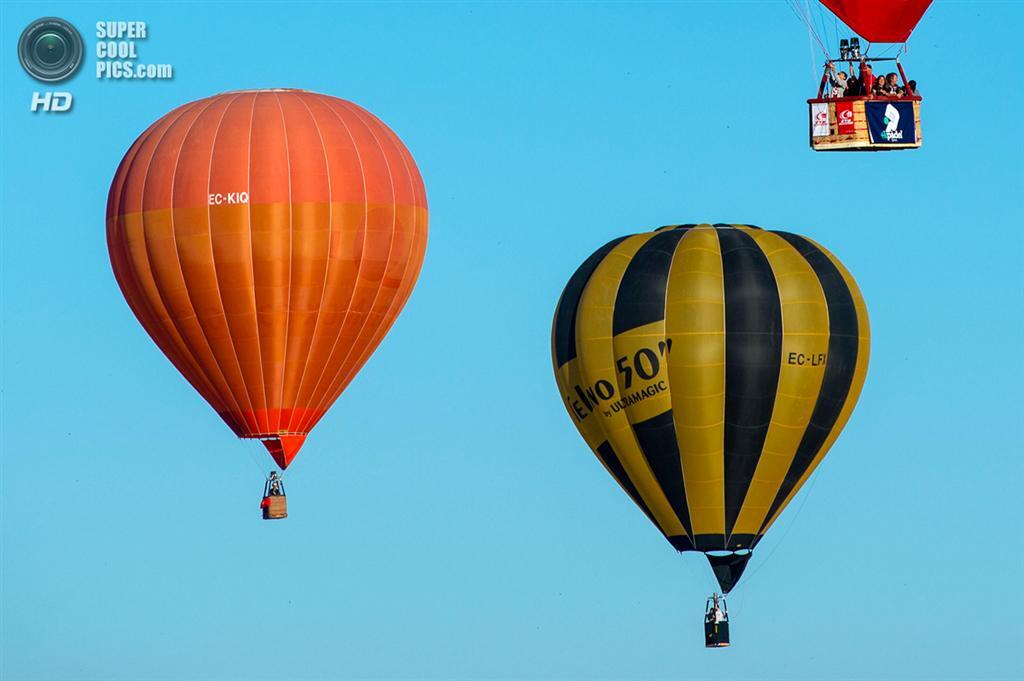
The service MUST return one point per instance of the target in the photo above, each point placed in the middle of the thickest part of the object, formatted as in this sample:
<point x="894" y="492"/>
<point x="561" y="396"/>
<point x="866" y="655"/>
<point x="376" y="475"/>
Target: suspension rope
<point x="835" y="25"/>
<point x="805" y="17"/>
<point x="821" y="24"/>
<point x="761" y="563"/>
<point x="889" y="49"/>
<point x="257" y="457"/>
<point x="810" y="42"/>
<point x="810" y="53"/>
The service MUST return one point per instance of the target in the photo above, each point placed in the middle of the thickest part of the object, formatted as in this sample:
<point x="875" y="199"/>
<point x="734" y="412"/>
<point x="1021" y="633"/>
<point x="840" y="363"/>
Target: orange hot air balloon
<point x="267" y="240"/>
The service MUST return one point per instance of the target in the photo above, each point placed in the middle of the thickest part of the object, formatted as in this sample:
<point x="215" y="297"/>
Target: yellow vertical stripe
<point x="596" y="355"/>
<point x="656" y="399"/>
<point x="695" y="322"/>
<point x="859" y="374"/>
<point x="805" y="335"/>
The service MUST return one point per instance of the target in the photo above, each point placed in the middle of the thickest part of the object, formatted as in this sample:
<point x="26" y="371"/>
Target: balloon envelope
<point x="710" y="368"/>
<point x="880" y="21"/>
<point x="267" y="240"/>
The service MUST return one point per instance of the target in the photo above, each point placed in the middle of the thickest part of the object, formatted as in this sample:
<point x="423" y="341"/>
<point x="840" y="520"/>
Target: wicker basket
<point x="860" y="138"/>
<point x="276" y="508"/>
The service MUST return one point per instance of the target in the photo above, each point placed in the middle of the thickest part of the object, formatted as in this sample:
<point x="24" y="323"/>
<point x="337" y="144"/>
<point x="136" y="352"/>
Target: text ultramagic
<point x="643" y="365"/>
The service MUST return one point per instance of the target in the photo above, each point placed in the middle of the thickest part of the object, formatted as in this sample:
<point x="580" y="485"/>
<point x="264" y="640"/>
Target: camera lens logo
<point x="50" y="49"/>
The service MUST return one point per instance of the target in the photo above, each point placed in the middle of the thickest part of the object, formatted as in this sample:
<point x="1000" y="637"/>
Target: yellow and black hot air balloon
<point x="710" y="368"/>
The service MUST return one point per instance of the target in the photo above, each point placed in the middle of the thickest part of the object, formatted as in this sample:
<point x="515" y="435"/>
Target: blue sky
<point x="447" y="520"/>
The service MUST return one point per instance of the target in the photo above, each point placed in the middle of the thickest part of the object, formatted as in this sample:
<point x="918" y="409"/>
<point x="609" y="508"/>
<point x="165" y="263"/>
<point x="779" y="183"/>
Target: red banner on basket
<point x="844" y="118"/>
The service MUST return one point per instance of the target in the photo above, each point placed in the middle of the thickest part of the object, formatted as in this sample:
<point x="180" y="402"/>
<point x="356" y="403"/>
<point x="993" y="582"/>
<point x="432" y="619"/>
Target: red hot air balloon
<point x="267" y="240"/>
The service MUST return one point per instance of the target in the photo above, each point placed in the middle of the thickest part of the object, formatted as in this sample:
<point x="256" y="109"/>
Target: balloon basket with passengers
<point x="864" y="122"/>
<point x="716" y="622"/>
<point x="857" y="109"/>
<point x="274" y="503"/>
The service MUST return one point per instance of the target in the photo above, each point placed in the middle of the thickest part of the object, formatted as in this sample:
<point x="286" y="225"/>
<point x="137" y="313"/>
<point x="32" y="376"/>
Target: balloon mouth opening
<point x="728" y="568"/>
<point x="728" y="552"/>
<point x="282" y="448"/>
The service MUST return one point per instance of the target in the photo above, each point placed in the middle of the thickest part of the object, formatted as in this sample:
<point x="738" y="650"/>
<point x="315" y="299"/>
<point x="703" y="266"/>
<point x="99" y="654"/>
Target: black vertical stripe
<point x="564" y="331"/>
<point x="610" y="459"/>
<point x="641" y="296"/>
<point x="640" y="300"/>
<point x="840" y="364"/>
<point x="753" y="358"/>
<point x="657" y="439"/>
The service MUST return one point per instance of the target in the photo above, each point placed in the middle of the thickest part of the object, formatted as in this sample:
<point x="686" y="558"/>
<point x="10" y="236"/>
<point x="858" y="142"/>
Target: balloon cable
<point x="794" y="6"/>
<point x="761" y="563"/>
<point x="821" y="23"/>
<point x="255" y="456"/>
<point x="810" y="38"/>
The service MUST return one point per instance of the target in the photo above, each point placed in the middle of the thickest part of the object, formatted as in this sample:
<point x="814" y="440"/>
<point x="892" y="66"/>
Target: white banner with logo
<point x="819" y="119"/>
